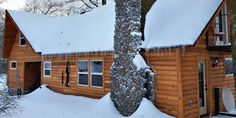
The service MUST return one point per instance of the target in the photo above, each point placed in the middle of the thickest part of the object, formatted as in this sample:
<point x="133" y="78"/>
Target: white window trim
<point x="85" y="73"/>
<point x="47" y="69"/>
<point x="11" y="65"/>
<point x="96" y="74"/>
<point x="228" y="75"/>
<point x="20" y="38"/>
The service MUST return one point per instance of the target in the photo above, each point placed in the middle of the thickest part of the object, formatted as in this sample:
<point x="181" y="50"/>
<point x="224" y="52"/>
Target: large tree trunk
<point x="127" y="81"/>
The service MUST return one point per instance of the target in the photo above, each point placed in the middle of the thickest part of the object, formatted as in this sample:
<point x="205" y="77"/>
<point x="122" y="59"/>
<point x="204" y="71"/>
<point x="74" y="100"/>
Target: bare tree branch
<point x="87" y="4"/>
<point x="93" y="3"/>
<point x="61" y="7"/>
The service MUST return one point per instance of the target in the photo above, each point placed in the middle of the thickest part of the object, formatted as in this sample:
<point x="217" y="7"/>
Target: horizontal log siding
<point x="215" y="79"/>
<point x="21" y="55"/>
<point x="190" y="59"/>
<point x="59" y="65"/>
<point x="164" y="64"/>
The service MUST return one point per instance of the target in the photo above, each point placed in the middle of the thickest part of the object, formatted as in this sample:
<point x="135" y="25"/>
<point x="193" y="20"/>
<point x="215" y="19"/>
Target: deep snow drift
<point x="44" y="103"/>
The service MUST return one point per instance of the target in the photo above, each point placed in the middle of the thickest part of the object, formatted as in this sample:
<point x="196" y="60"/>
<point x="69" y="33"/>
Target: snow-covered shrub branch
<point x="7" y="102"/>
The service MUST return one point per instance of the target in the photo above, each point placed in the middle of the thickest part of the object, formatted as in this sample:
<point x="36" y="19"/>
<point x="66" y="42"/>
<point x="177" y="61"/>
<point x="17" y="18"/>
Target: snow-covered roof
<point x="168" y="23"/>
<point x="171" y="23"/>
<point x="88" y="32"/>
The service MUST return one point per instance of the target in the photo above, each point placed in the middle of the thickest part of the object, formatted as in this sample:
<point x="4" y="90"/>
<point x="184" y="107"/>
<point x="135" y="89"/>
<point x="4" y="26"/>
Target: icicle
<point x="169" y="51"/>
<point x="183" y="50"/>
<point x="158" y="51"/>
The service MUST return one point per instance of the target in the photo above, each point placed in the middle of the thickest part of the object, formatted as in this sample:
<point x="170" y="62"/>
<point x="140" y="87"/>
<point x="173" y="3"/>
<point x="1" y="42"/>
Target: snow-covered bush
<point x="7" y="102"/>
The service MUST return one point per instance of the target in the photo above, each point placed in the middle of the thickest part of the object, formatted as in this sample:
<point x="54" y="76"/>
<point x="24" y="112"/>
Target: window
<point x="13" y="65"/>
<point x="228" y="67"/>
<point x="90" y="73"/>
<point x="47" y="69"/>
<point x="96" y="73"/>
<point x="22" y="41"/>
<point x="83" y="73"/>
<point x="221" y="28"/>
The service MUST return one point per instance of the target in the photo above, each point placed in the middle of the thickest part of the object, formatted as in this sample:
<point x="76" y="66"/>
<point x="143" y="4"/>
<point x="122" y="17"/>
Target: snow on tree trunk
<point x="127" y="79"/>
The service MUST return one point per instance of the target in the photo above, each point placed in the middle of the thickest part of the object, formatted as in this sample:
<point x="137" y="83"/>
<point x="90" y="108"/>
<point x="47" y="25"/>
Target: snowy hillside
<point x="43" y="103"/>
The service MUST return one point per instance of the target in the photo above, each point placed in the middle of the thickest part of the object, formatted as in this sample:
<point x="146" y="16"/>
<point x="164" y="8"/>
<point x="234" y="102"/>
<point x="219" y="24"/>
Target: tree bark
<point x="127" y="81"/>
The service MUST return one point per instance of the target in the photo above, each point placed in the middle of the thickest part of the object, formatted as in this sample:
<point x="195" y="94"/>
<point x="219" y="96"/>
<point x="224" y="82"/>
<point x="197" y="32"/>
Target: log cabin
<point x="186" y="44"/>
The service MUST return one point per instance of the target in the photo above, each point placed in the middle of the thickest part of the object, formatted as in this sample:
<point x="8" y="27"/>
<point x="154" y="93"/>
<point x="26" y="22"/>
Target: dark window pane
<point x="22" y="41"/>
<point x="221" y="21"/>
<point x="83" y="66"/>
<point x="47" y="72"/>
<point x="96" y="66"/>
<point x="13" y="64"/>
<point x="97" y="80"/>
<point x="47" y="65"/>
<point x="83" y="79"/>
<point x="201" y="78"/>
<point x="228" y="67"/>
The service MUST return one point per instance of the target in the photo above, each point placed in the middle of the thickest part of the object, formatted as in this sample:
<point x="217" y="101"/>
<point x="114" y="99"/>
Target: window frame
<point x="11" y="65"/>
<point x="84" y="73"/>
<point x="96" y="74"/>
<point x="228" y="58"/>
<point x="224" y="26"/>
<point x="22" y="37"/>
<point x="44" y="69"/>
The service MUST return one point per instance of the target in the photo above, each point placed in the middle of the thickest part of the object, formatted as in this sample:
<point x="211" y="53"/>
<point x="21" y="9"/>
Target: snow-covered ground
<point x="44" y="103"/>
<point x="222" y="116"/>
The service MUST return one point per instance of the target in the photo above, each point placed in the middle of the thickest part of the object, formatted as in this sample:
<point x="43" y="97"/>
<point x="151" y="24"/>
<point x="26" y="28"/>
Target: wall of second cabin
<point x="215" y="78"/>
<point x="218" y="79"/>
<point x="165" y="65"/>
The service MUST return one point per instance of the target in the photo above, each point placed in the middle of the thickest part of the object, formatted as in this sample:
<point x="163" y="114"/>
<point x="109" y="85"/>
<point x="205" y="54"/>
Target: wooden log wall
<point x="215" y="77"/>
<point x="59" y="64"/>
<point x="164" y="64"/>
<point x="21" y="55"/>
<point x="189" y="74"/>
<point x="219" y="79"/>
